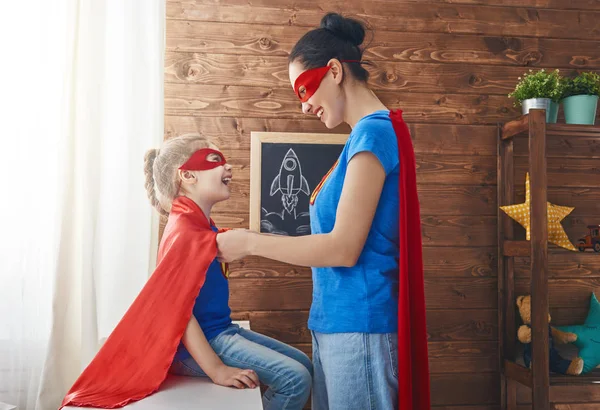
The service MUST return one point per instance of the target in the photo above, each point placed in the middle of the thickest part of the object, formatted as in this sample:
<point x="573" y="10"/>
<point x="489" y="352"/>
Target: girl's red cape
<point x="135" y="359"/>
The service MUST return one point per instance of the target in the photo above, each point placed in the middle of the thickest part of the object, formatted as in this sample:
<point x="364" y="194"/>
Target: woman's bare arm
<point x="363" y="184"/>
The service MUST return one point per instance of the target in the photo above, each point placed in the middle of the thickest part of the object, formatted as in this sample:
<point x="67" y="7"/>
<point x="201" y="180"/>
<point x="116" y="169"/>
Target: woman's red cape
<point x="413" y="363"/>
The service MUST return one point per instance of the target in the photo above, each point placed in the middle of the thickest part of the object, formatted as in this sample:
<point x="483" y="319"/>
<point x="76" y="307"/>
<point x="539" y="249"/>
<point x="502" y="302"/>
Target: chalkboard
<point x="285" y="169"/>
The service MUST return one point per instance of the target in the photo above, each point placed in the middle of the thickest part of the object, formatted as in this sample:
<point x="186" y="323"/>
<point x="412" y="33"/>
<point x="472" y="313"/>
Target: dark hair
<point x="337" y="37"/>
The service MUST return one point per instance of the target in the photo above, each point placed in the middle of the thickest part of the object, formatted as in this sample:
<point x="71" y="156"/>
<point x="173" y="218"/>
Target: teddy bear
<point x="558" y="364"/>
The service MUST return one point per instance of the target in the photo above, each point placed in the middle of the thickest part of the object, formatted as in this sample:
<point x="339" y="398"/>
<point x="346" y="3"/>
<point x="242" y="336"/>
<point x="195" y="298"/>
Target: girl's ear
<point x="187" y="177"/>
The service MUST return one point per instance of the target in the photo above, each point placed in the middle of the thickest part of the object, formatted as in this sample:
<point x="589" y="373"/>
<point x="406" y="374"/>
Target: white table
<point x="197" y="393"/>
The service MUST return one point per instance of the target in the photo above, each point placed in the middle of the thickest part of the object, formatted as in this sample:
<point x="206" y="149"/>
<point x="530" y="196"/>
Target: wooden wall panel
<point x="234" y="133"/>
<point x="271" y="71"/>
<point x="449" y="64"/>
<point x="265" y="40"/>
<point x="549" y="4"/>
<point x="399" y="16"/>
<point x="443" y="325"/>
<point x="439" y="262"/>
<point x="264" y="102"/>
<point x="293" y="293"/>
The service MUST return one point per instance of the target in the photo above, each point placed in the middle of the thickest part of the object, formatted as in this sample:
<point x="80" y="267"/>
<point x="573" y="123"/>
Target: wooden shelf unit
<point x="538" y="377"/>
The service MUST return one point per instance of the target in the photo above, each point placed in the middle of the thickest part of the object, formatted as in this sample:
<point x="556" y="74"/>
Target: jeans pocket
<point x="392" y="340"/>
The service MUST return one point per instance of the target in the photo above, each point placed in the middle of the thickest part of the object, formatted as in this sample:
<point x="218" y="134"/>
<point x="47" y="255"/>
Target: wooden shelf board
<point x="521" y="374"/>
<point x="520" y="126"/>
<point x="516" y="248"/>
<point x="592" y="377"/>
<point x="522" y="248"/>
<point x="573" y="130"/>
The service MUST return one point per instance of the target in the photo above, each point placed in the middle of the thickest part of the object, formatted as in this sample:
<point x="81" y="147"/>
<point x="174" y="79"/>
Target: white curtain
<point x="81" y="84"/>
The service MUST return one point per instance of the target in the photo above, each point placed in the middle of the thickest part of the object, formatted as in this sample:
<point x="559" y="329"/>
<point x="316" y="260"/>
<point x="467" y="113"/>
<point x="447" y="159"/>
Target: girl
<point x="181" y="320"/>
<point x="367" y="317"/>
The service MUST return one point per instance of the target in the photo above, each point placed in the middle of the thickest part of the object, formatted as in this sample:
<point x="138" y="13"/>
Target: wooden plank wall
<point x="449" y="65"/>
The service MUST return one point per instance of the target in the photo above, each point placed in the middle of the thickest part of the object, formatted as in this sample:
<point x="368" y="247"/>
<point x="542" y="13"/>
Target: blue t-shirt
<point x="211" y="308"/>
<point x="363" y="298"/>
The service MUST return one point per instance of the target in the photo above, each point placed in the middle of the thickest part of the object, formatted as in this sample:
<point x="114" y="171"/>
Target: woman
<point x="365" y="247"/>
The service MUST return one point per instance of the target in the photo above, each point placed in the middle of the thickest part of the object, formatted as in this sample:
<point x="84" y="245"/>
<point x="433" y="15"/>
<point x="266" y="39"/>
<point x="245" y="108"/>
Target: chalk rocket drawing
<point x="290" y="183"/>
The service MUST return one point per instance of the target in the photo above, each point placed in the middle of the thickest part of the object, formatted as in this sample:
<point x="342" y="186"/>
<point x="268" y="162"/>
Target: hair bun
<point x="345" y="28"/>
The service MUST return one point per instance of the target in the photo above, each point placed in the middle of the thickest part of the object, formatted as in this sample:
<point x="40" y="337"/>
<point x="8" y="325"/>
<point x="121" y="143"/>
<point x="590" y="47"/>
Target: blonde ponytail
<point x="149" y="159"/>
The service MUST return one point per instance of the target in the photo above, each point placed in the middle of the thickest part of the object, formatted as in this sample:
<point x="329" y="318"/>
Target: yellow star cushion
<point x="556" y="233"/>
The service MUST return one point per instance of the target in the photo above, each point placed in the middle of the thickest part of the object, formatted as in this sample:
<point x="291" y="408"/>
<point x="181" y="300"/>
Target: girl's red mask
<point x="199" y="160"/>
<point x="309" y="81"/>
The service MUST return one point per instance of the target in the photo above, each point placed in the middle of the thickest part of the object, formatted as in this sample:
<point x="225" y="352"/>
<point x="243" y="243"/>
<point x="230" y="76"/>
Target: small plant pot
<point x="543" y="104"/>
<point x="580" y="109"/>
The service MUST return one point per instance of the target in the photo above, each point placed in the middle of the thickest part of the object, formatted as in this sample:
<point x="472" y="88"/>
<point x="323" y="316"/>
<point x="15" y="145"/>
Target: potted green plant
<point x="580" y="98"/>
<point x="541" y="89"/>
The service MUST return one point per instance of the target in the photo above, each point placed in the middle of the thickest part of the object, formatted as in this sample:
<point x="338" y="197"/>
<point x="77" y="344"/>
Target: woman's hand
<point x="234" y="377"/>
<point x="233" y="245"/>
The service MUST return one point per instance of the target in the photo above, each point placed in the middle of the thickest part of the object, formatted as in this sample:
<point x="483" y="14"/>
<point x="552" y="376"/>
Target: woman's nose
<point x="306" y="107"/>
<point x="228" y="167"/>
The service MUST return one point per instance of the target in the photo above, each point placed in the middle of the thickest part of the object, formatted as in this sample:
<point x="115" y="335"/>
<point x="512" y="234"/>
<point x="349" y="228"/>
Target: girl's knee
<point x="306" y="362"/>
<point x="305" y="378"/>
<point x="303" y="383"/>
<point x="295" y="380"/>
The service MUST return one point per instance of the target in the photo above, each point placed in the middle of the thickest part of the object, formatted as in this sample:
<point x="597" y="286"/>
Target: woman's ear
<point x="336" y="70"/>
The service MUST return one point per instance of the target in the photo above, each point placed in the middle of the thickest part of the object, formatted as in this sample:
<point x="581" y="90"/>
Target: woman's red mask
<point x="199" y="160"/>
<point x="309" y="81"/>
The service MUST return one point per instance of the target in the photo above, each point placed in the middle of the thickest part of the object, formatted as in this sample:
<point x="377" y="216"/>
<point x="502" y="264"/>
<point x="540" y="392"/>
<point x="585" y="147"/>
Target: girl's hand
<point x="233" y="245"/>
<point x="234" y="377"/>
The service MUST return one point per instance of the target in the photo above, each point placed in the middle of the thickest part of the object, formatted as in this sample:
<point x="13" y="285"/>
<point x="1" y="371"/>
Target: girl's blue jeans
<point x="284" y="369"/>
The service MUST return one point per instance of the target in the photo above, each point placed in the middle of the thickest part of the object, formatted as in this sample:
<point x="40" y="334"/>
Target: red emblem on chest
<point x="318" y="188"/>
